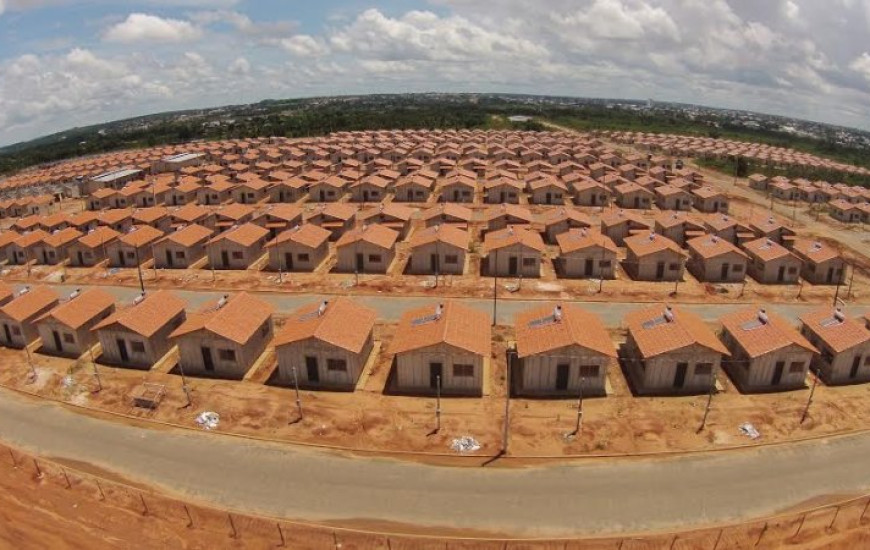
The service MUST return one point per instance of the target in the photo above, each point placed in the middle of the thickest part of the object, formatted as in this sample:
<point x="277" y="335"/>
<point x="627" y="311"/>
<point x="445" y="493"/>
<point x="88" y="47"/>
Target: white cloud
<point x="304" y="45"/>
<point x="615" y="19"/>
<point x="244" y="24"/>
<point x="861" y="65"/>
<point x="240" y="67"/>
<point x="792" y="10"/>
<point x="2" y="7"/>
<point x="141" y="27"/>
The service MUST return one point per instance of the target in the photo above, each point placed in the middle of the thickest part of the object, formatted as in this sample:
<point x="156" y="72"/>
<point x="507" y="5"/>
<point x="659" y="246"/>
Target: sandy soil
<point x="370" y="420"/>
<point x="85" y="509"/>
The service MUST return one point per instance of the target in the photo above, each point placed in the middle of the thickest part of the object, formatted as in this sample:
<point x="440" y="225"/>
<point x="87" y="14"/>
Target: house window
<point x="792" y="270"/>
<point x="303" y="257"/>
<point x="463" y="371"/>
<point x="375" y="258"/>
<point x="131" y="255"/>
<point x="179" y="254"/>
<point x="674" y="267"/>
<point x="238" y="255"/>
<point x="529" y="262"/>
<point x="589" y="371"/>
<point x="737" y="268"/>
<point x="867" y="360"/>
<point x="88" y="255"/>
<point x="228" y="355"/>
<point x="137" y="347"/>
<point x="795" y="367"/>
<point x="703" y="369"/>
<point x="827" y="355"/>
<point x="451" y="259"/>
<point x="336" y="365"/>
<point x="51" y="253"/>
<point x="177" y="321"/>
<point x="69" y="338"/>
<point x="16" y="331"/>
<point x="604" y="264"/>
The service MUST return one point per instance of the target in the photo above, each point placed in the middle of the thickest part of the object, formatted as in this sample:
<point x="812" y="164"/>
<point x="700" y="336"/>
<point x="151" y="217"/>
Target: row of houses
<point x="559" y="348"/>
<point x="846" y="203"/>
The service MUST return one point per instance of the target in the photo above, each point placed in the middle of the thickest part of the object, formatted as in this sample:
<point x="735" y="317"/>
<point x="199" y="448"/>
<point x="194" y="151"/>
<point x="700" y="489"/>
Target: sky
<point x="66" y="63"/>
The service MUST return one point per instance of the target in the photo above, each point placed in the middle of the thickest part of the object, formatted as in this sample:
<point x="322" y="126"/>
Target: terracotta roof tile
<point x="31" y="238"/>
<point x="307" y="234"/>
<point x="81" y="309"/>
<point x="447" y="234"/>
<point x="190" y="213"/>
<point x="459" y="326"/>
<point x="141" y="235"/>
<point x="509" y="236"/>
<point x="557" y="215"/>
<point x="8" y="237"/>
<point x="246" y="235"/>
<point x="835" y="329"/>
<point x="343" y="323"/>
<point x="99" y="236"/>
<point x="759" y="332"/>
<point x="644" y="244"/>
<point x="62" y="237"/>
<point x="766" y="249"/>
<point x="237" y="320"/>
<point x="189" y="235"/>
<point x="376" y="234"/>
<point x="505" y="210"/>
<point x="581" y="238"/>
<point x="814" y="251"/>
<point x="710" y="246"/>
<point x="540" y="330"/>
<point x="25" y="306"/>
<point x="148" y="316"/>
<point x="451" y="210"/>
<point x="654" y="334"/>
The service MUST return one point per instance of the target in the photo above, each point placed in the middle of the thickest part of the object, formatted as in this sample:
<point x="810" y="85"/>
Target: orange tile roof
<point x="6" y="292"/>
<point x="31" y="238"/>
<point x="840" y="333"/>
<point x="392" y="210"/>
<point x="814" y="251"/>
<point x="141" y="235"/>
<point x="644" y="244"/>
<point x="25" y="306"/>
<point x="189" y="235"/>
<point x="100" y="236"/>
<point x="621" y="216"/>
<point x="246" y="235"/>
<point x="149" y="215"/>
<point x="376" y="234"/>
<point x="234" y="211"/>
<point x="459" y="326"/>
<point x="504" y="210"/>
<point x="62" y="237"/>
<point x="8" y="237"/>
<point x="509" y="236"/>
<point x="148" y="316"/>
<point x="342" y="323"/>
<point x="447" y="234"/>
<point x="766" y="249"/>
<point x="190" y="213"/>
<point x="307" y="234"/>
<point x="237" y="320"/>
<point x="581" y="238"/>
<point x="655" y="335"/>
<point x="540" y="330"/>
<point x="285" y="212"/>
<point x="710" y="246"/>
<point x="78" y="311"/>
<point x="451" y="210"/>
<point x="759" y="332"/>
<point x="557" y="215"/>
<point x="113" y="216"/>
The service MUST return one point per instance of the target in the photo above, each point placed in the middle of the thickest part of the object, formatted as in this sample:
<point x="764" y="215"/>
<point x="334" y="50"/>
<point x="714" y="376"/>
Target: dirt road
<point x="548" y="501"/>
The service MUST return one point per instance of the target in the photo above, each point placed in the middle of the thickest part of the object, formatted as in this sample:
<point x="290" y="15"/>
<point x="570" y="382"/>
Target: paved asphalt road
<point x="596" y="496"/>
<point x="390" y="308"/>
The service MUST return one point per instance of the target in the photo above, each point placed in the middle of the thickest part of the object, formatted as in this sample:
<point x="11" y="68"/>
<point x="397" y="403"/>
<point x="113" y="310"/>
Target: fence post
<point x="861" y="519"/>
<point x="718" y="539"/>
<point x="144" y="506"/>
<point x="761" y="534"/>
<point x="281" y="534"/>
<point x="673" y="542"/>
<point x="100" y="489"/>
<point x="235" y="534"/>
<point x="66" y="477"/>
<point x="189" y="517"/>
<point x="801" y="526"/>
<point x="834" y="519"/>
<point x="38" y="469"/>
<point x="12" y="456"/>
<point x="335" y="540"/>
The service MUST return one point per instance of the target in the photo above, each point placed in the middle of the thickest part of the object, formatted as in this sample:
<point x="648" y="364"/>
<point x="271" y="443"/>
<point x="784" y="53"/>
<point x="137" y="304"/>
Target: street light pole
<point x="579" y="408"/>
<point x="298" y="399"/>
<point x="810" y="398"/>
<point x="494" y="288"/>
<point x="438" y="403"/>
<point x="507" y="403"/>
<point x="139" y="269"/>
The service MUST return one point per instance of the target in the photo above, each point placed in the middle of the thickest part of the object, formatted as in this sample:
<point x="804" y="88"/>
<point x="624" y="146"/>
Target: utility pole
<point x="494" y="269"/>
<point x="709" y="404"/>
<point x="851" y="280"/>
<point x="32" y="375"/>
<point x="96" y="372"/>
<point x="184" y="387"/>
<point x="579" y="409"/>
<point x="438" y="403"/>
<point x="837" y="290"/>
<point x="139" y="268"/>
<point x="810" y="398"/>
<point x="507" y="403"/>
<point x="298" y="399"/>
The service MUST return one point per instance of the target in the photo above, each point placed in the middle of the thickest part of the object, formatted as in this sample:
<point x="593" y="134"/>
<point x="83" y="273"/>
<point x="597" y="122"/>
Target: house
<point x="559" y="220"/>
<point x="843" y="344"/>
<point x="329" y="189"/>
<point x="6" y="294"/>
<point x="23" y="249"/>
<point x="225" y="338"/>
<point x="668" y="197"/>
<point x="121" y="220"/>
<point x="134" y="247"/>
<point x="444" y="345"/>
<point x="138" y="336"/>
<point x="182" y="247"/>
<point x="458" y="189"/>
<point x="671" y="351"/>
<point x="370" y="189"/>
<point x="767" y="353"/>
<point x="621" y="224"/>
<point x="758" y="181"/>
<point x="586" y="254"/>
<point x="251" y="191"/>
<point x="771" y="263"/>
<point x="155" y="216"/>
<point x="301" y="248"/>
<point x="66" y="329"/>
<point x="632" y="195"/>
<point x="415" y="188"/>
<point x="678" y="227"/>
<point x="821" y="263"/>
<point x="652" y="257"/>
<point x="238" y="247"/>
<point x="218" y="191"/>
<point x="513" y="251"/>
<point x="715" y="260"/>
<point x="728" y="228"/>
<point x="278" y="218"/>
<point x="232" y="215"/>
<point x="503" y="190"/>
<point x="291" y="189"/>
<point x="90" y="249"/>
<point x="325" y="345"/>
<point x="84" y="221"/>
<point x="588" y="192"/>
<point x="190" y="214"/>
<point x="366" y="249"/>
<point x="503" y="215"/>
<point x="561" y="350"/>
<point x="771" y="228"/>
<point x="438" y="250"/>
<point x="395" y="216"/>
<point x="17" y="317"/>
<point x="101" y="198"/>
<point x="448" y="213"/>
<point x="845" y="211"/>
<point x="336" y="218"/>
<point x="783" y="190"/>
<point x="54" y="249"/>
<point x="709" y="199"/>
<point x="6" y="239"/>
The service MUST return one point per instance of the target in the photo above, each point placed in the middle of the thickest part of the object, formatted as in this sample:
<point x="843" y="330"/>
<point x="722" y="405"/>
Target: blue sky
<point x="65" y="63"/>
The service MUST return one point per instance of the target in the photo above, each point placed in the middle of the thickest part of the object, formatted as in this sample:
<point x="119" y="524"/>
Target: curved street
<point x="599" y="496"/>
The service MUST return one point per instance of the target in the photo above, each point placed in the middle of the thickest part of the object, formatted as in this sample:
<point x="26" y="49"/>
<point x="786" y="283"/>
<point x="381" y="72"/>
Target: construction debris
<point x="466" y="444"/>
<point x="208" y="420"/>
<point x="749" y="431"/>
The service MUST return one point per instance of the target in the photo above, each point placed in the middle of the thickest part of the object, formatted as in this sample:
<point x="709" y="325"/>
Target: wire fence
<point x="794" y="528"/>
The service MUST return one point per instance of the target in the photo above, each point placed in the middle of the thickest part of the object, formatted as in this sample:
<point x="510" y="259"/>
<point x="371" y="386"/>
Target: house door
<point x="680" y="376"/>
<point x="780" y="275"/>
<point x="207" y="361"/>
<point x="856" y="362"/>
<point x="590" y="264"/>
<point x="513" y="265"/>
<point x="637" y="202"/>
<point x="777" y="373"/>
<point x="456" y="195"/>
<point x="830" y="274"/>
<point x="436" y="371"/>
<point x="8" y="333"/>
<point x="225" y="259"/>
<point x="365" y="194"/>
<point x="593" y="200"/>
<point x="725" y="268"/>
<point x="81" y="258"/>
<point x="433" y="263"/>
<point x="121" y="258"/>
<point x="548" y="198"/>
<point x="502" y="197"/>
<point x="288" y="261"/>
<point x="311" y="370"/>
<point x="322" y="195"/>
<point x="122" y="350"/>
<point x="44" y="256"/>
<point x="360" y="262"/>
<point x="168" y="258"/>
<point x="57" y="343"/>
<point x="562" y="372"/>
<point x="660" y="270"/>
